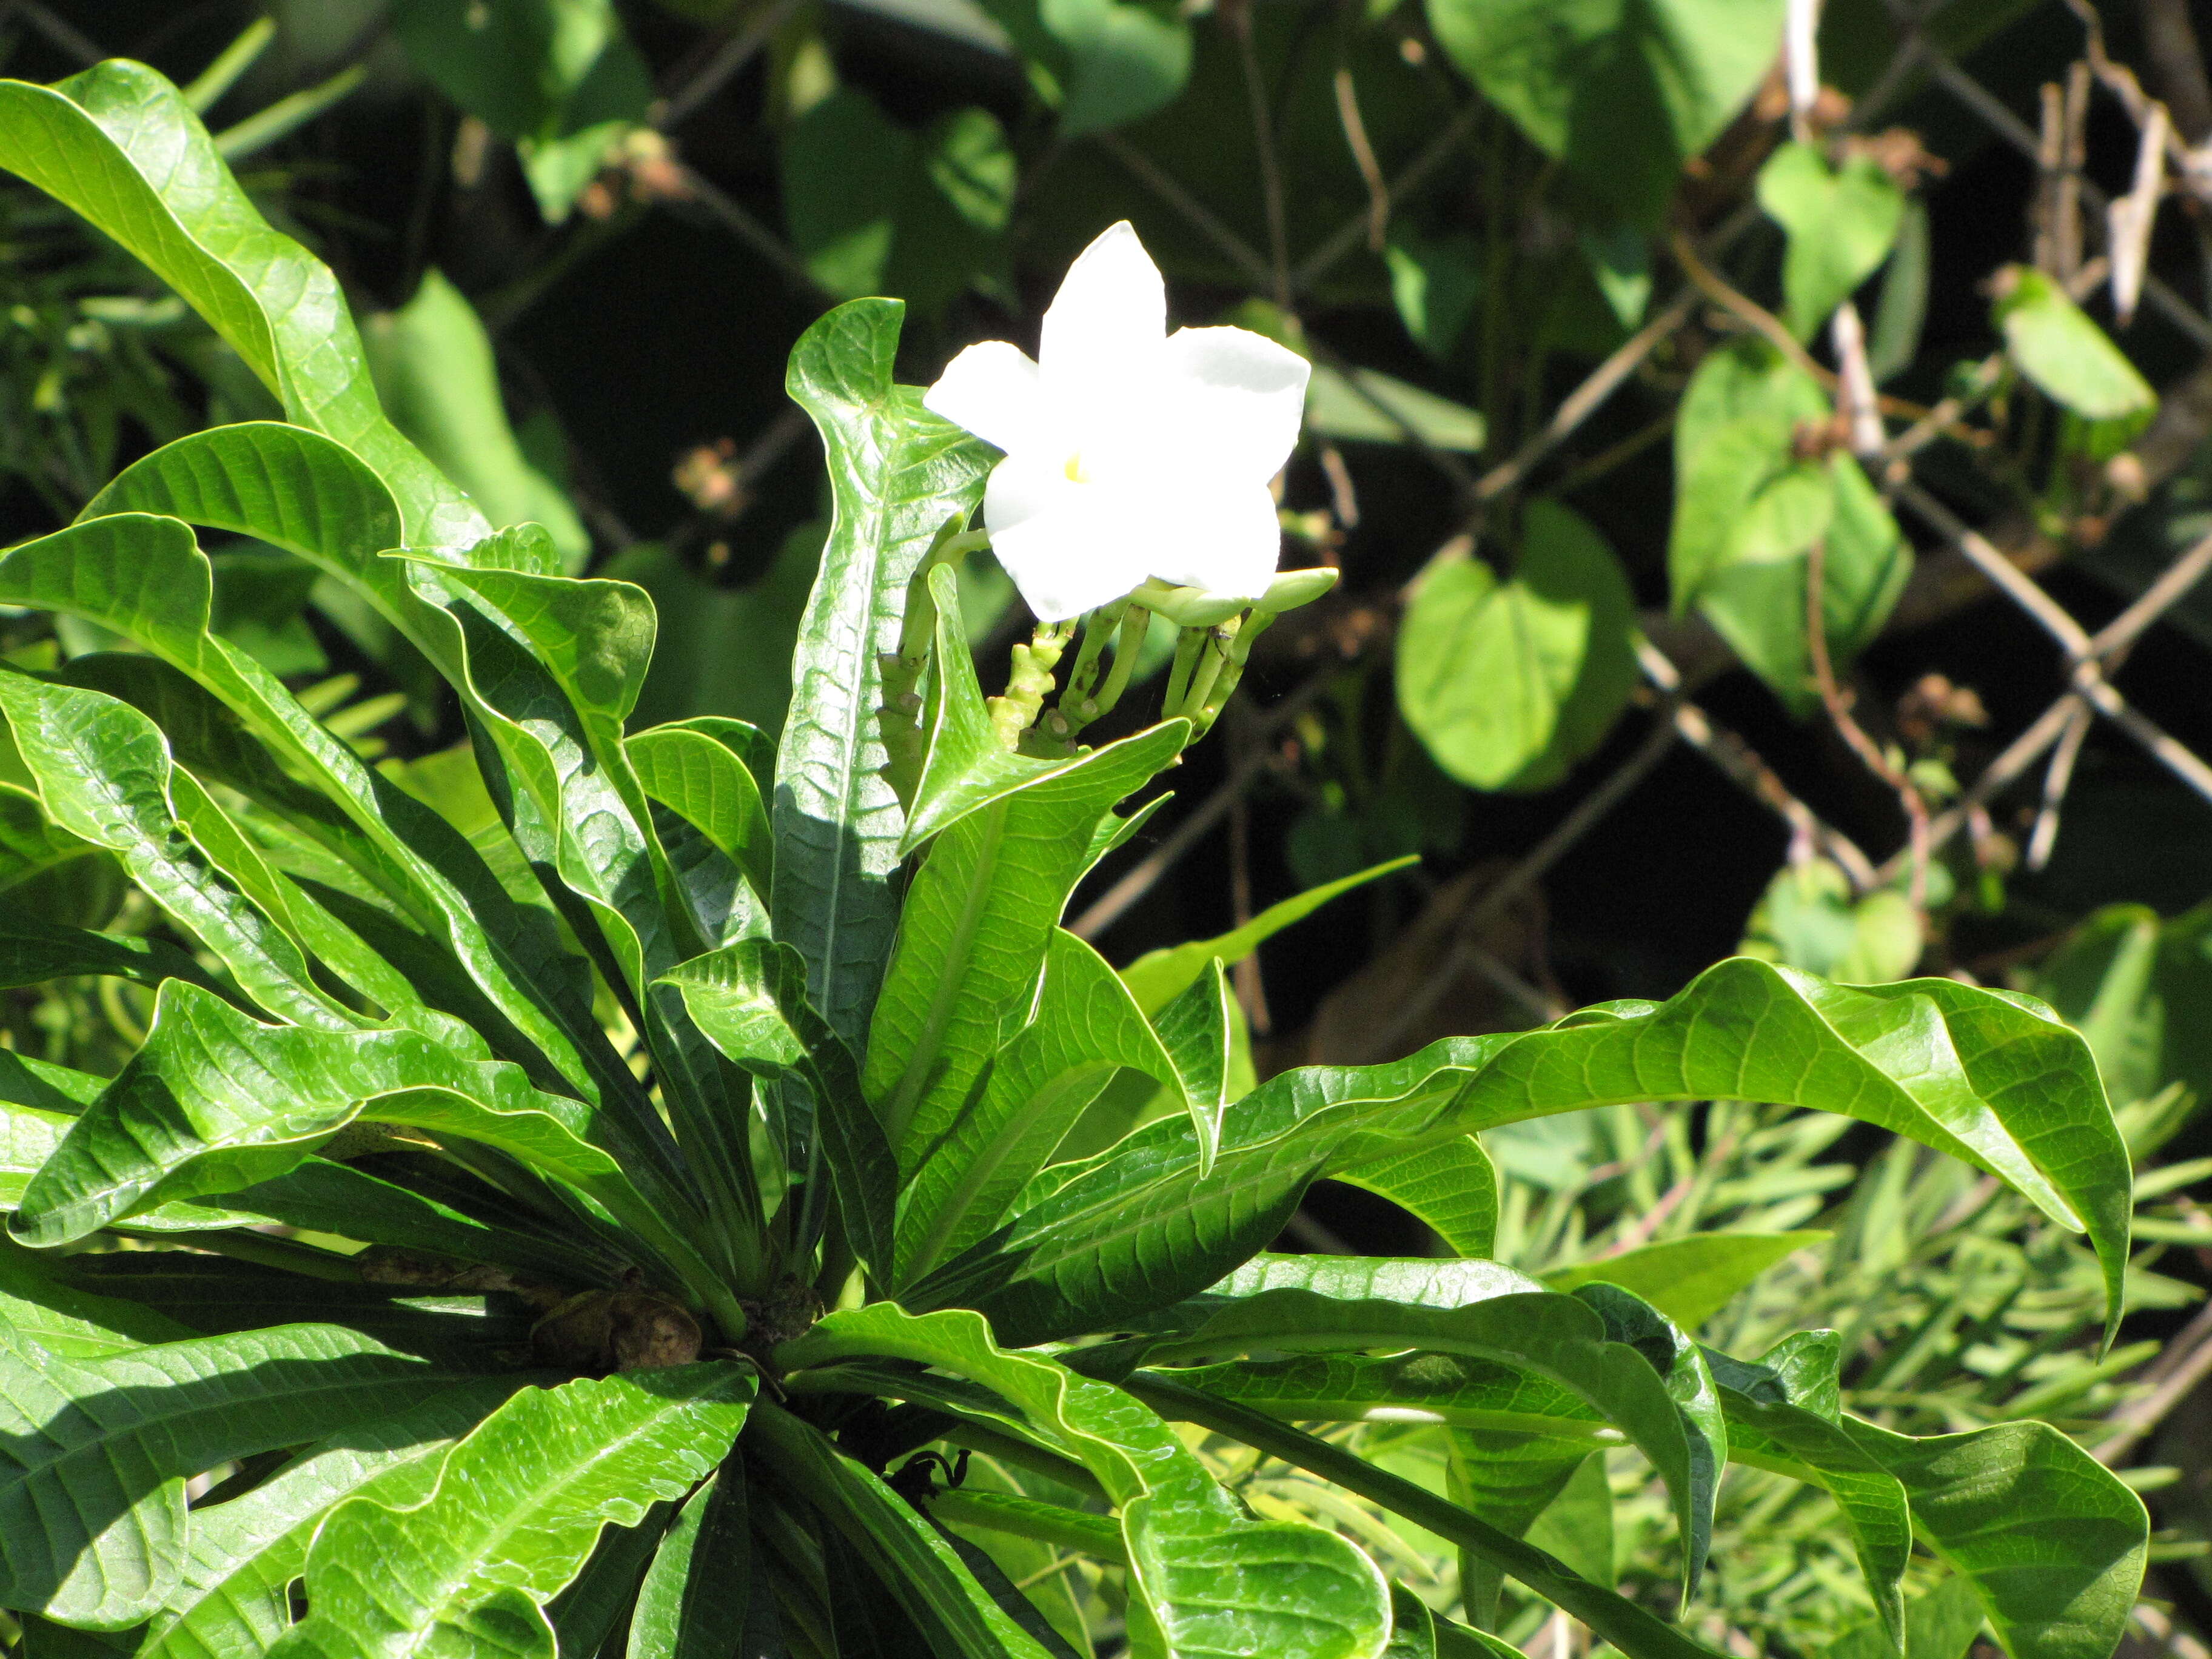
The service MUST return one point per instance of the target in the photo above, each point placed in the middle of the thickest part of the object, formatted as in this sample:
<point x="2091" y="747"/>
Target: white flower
<point x="1130" y="451"/>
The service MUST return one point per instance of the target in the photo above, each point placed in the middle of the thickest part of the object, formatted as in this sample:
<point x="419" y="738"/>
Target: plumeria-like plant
<point x="602" y="1194"/>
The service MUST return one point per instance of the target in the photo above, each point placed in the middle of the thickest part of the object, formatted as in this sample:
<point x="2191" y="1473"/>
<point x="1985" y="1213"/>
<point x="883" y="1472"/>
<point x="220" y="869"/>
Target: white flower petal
<point x="1106" y="327"/>
<point x="991" y="389"/>
<point x="1069" y="547"/>
<point x="1232" y="400"/>
<point x="1219" y="536"/>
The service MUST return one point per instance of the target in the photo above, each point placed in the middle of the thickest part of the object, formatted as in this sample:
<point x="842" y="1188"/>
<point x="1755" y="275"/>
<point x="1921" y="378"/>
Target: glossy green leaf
<point x="1987" y="1077"/>
<point x="1155" y="978"/>
<point x="1085" y="1028"/>
<point x="918" y="1562"/>
<point x="1451" y="1185"/>
<point x="1623" y="92"/>
<point x="1777" y="1426"/>
<point x="973" y="932"/>
<point x="2052" y="1542"/>
<point x="104" y="772"/>
<point x="751" y="1001"/>
<point x="1841" y="223"/>
<point x="241" y="1556"/>
<point x="518" y="1506"/>
<point x="434" y="371"/>
<point x="215" y="1101"/>
<point x="92" y="1504"/>
<point x="1593" y="1354"/>
<point x="697" y="1589"/>
<point x="32" y="951"/>
<point x="897" y="474"/>
<point x="1632" y="1629"/>
<point x="2067" y="356"/>
<point x="119" y="145"/>
<point x="697" y="769"/>
<point x="70" y="1321"/>
<point x="1688" y="1280"/>
<point x="1507" y="683"/>
<point x="1212" y="1578"/>
<point x="144" y="576"/>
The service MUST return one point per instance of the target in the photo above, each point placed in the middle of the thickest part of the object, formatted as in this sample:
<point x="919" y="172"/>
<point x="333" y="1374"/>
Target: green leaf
<point x="1209" y="1575"/>
<point x="1158" y="977"/>
<point x="1451" y="1186"/>
<point x="213" y="1101"/>
<point x="2050" y="1541"/>
<point x="973" y="932"/>
<point x="1087" y="1027"/>
<point x="1508" y="684"/>
<point x="286" y="485"/>
<point x="1939" y="1624"/>
<point x="1688" y="1280"/>
<point x="1599" y="1353"/>
<point x="897" y="474"/>
<point x="1990" y="1078"/>
<point x="1778" y="1425"/>
<point x="518" y="1506"/>
<point x="1842" y="224"/>
<point x="698" y="770"/>
<point x="104" y="772"/>
<point x="31" y="952"/>
<point x="241" y="1556"/>
<point x="918" y="1562"/>
<point x="697" y="1589"/>
<point x="557" y="76"/>
<point x="1624" y="91"/>
<point x="71" y="1323"/>
<point x="1807" y="918"/>
<point x="1435" y="283"/>
<point x="92" y="1502"/>
<point x="586" y="1613"/>
<point x="435" y="374"/>
<point x="2069" y="358"/>
<point x="119" y="145"/>
<point x="1631" y="1628"/>
<point x="1747" y="509"/>
<point x="144" y="576"/>
<point x="750" y="999"/>
<point x="1368" y="407"/>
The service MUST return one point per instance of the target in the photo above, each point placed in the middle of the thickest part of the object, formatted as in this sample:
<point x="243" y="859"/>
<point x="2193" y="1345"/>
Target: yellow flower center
<point x="1074" y="468"/>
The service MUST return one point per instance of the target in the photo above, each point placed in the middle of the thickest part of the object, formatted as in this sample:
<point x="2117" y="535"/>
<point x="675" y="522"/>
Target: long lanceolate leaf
<point x="119" y="145"/>
<point x="924" y="1573"/>
<point x="215" y="1101"/>
<point x="241" y="1556"/>
<point x="1206" y="1577"/>
<point x="91" y="1489"/>
<point x="104" y="771"/>
<point x="1982" y="1075"/>
<point x="516" y="1509"/>
<point x="897" y="474"/>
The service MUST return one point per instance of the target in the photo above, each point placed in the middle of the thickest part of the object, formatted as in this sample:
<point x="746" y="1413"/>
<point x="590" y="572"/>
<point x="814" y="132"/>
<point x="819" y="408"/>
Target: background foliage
<point x="1568" y="670"/>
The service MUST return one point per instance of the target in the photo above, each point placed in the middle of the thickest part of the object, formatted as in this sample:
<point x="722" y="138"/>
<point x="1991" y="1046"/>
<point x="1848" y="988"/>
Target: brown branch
<point x="2178" y="66"/>
<point x="1362" y="153"/>
<point x="1839" y="714"/>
